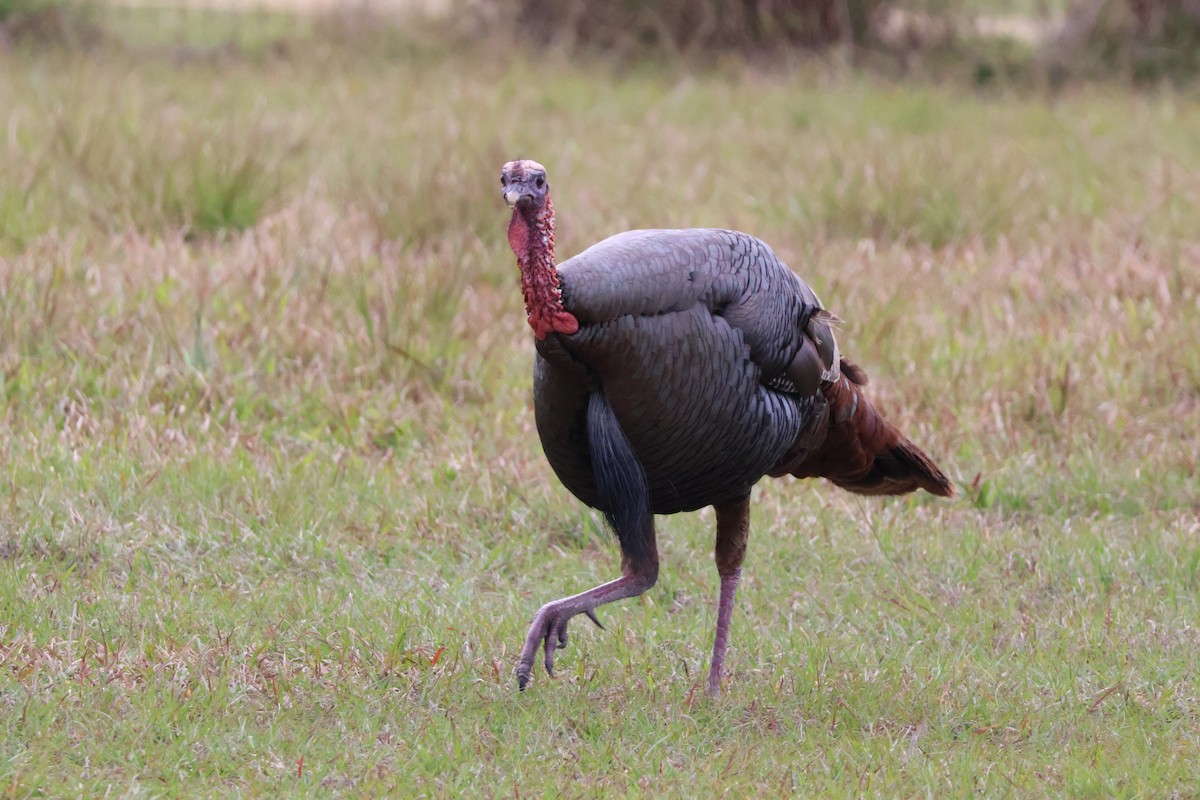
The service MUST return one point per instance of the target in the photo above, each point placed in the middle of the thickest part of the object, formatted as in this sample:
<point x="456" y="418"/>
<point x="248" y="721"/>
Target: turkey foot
<point x="550" y="623"/>
<point x="549" y="626"/>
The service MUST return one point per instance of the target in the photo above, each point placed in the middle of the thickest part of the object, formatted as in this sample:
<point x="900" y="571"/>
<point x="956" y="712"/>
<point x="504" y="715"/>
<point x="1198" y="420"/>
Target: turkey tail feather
<point x="864" y="453"/>
<point x="921" y="469"/>
<point x="854" y="372"/>
<point x="900" y="469"/>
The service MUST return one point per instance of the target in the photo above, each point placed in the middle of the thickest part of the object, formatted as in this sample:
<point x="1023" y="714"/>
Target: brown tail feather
<point x="854" y="372"/>
<point x="902" y="469"/>
<point x="866" y="454"/>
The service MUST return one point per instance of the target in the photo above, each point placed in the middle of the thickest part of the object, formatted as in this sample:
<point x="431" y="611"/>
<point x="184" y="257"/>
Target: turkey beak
<point x="513" y="196"/>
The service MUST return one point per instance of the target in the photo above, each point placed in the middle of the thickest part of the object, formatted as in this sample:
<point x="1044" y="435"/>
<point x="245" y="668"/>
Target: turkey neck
<point x="531" y="236"/>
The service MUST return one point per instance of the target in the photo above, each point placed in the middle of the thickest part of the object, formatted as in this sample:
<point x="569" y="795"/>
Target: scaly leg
<point x="733" y="531"/>
<point x="550" y="623"/>
<point x="624" y="496"/>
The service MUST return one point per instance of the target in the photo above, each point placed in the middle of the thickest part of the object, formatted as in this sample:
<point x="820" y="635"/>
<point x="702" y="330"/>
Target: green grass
<point x="273" y="514"/>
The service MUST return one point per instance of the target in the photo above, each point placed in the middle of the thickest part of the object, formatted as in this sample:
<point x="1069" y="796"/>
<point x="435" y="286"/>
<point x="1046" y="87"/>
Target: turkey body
<point x="674" y="369"/>
<point x="689" y="335"/>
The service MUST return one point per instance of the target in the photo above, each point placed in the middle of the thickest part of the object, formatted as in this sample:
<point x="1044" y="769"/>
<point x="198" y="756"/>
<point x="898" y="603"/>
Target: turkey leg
<point x="733" y="532"/>
<point x="550" y="623"/>
<point x="624" y="497"/>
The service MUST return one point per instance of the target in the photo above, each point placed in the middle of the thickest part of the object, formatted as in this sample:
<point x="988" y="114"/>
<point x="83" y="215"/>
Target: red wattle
<point x="565" y="323"/>
<point x="518" y="234"/>
<point x="531" y="236"/>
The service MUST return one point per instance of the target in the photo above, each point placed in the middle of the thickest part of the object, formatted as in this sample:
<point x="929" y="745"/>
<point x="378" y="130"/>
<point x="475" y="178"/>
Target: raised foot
<point x="549" y="627"/>
<point x="550" y="624"/>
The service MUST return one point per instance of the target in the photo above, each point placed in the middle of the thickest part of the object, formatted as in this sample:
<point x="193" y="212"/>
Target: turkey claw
<point x="549" y="630"/>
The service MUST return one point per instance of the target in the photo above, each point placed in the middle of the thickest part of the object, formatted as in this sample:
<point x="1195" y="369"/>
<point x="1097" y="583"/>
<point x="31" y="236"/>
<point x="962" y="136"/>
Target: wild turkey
<point x="674" y="369"/>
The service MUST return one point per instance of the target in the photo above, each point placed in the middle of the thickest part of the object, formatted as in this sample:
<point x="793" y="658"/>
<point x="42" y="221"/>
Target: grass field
<point x="274" y="517"/>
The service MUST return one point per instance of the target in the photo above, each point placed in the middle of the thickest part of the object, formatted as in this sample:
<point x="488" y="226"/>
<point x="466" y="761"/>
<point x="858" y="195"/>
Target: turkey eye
<point x="503" y="181"/>
<point x="541" y="182"/>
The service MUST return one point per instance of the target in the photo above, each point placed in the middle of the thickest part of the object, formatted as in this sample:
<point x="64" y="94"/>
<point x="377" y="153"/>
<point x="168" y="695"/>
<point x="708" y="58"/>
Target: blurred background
<point x="981" y="40"/>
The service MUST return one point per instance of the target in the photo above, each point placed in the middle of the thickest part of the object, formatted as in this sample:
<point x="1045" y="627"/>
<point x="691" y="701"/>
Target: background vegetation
<point x="273" y="515"/>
